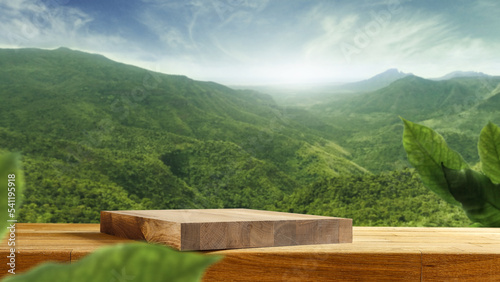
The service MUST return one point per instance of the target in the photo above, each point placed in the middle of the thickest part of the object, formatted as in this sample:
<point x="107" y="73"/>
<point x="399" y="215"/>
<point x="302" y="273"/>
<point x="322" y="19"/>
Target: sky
<point x="262" y="42"/>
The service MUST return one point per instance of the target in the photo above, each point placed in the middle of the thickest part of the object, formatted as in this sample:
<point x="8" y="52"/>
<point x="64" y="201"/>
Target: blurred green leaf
<point x="480" y="198"/>
<point x="489" y="151"/>
<point x="10" y="164"/>
<point x="426" y="151"/>
<point x="128" y="262"/>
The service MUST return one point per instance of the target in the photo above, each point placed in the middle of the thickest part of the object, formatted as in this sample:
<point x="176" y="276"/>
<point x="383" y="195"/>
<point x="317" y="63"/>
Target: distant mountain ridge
<point x="459" y="107"/>
<point x="416" y="97"/>
<point x="457" y="74"/>
<point x="376" y="82"/>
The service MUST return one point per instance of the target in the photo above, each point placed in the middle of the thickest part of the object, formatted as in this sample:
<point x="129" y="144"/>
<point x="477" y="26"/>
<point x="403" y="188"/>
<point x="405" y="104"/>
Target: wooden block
<point x="218" y="229"/>
<point x="307" y="232"/>
<point x="345" y="230"/>
<point x="285" y="233"/>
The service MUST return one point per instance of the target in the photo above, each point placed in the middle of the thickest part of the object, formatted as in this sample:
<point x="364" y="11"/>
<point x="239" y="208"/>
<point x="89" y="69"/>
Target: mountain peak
<point x="391" y="74"/>
<point x="376" y="82"/>
<point x="63" y="49"/>
<point x="392" y="71"/>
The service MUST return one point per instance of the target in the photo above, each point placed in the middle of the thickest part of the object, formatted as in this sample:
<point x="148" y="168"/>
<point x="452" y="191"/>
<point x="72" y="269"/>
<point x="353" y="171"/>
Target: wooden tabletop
<point x="377" y="253"/>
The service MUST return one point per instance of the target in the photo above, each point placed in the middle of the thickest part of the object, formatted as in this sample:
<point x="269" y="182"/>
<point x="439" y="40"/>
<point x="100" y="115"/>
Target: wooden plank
<point x="376" y="253"/>
<point x="216" y="229"/>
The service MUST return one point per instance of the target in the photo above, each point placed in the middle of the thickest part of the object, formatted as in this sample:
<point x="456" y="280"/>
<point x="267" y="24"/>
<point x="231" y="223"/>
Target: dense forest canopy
<point x="100" y="135"/>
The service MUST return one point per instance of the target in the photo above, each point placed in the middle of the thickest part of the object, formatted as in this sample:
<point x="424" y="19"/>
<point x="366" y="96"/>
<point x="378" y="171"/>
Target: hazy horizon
<point x="266" y="42"/>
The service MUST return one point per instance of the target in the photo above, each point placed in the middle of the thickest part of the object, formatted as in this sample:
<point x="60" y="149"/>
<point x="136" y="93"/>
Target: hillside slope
<point x="396" y="198"/>
<point x="371" y="129"/>
<point x="87" y="126"/>
<point x="418" y="98"/>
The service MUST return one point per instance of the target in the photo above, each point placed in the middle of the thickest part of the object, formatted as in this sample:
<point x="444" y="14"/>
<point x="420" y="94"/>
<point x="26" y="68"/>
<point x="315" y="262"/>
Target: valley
<point x="367" y="124"/>
<point x="100" y="135"/>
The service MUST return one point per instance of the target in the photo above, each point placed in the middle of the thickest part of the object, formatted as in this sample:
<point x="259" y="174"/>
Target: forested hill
<point x="99" y="135"/>
<point x="419" y="98"/>
<point x="368" y="124"/>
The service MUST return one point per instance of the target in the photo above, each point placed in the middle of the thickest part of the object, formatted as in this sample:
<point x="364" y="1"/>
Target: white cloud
<point x="35" y="24"/>
<point x="334" y="33"/>
<point x="426" y="43"/>
<point x="256" y="41"/>
<point x="50" y="25"/>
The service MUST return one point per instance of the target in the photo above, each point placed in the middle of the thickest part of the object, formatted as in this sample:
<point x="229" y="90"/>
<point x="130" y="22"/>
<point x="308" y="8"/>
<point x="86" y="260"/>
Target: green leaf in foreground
<point x="127" y="262"/>
<point x="426" y="151"/>
<point x="480" y="198"/>
<point x="489" y="151"/>
<point x="10" y="165"/>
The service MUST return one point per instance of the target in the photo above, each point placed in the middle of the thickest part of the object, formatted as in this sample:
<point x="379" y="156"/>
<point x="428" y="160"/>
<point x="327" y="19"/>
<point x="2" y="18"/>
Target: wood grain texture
<point x="283" y="266"/>
<point x="461" y="267"/>
<point x="217" y="229"/>
<point x="38" y="243"/>
<point x="376" y="254"/>
<point x="27" y="258"/>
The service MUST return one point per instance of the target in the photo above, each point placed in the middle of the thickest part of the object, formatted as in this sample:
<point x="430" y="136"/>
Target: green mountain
<point x="490" y="105"/>
<point x="99" y="135"/>
<point x="368" y="124"/>
<point x="395" y="198"/>
<point x="418" y="98"/>
<point x="374" y="83"/>
<point x="456" y="74"/>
